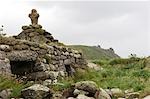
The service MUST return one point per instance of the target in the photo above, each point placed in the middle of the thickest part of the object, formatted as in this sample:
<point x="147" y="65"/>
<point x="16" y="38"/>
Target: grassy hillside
<point x="95" y="53"/>
<point x="125" y="74"/>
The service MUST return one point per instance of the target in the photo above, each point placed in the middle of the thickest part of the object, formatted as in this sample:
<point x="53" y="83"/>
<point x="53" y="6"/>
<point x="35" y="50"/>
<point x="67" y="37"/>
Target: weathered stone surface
<point x="40" y="67"/>
<point x="5" y="94"/>
<point x="63" y="57"/>
<point x="53" y="75"/>
<point x="42" y="75"/>
<point x="2" y="55"/>
<point x="26" y="27"/>
<point x="77" y="92"/>
<point x="36" y="91"/>
<point x="102" y="94"/>
<point x="38" y="75"/>
<point x="133" y="95"/>
<point x="5" y="66"/>
<point x="57" y="96"/>
<point x="116" y="92"/>
<point x="34" y="17"/>
<point x="88" y="86"/>
<point x="77" y="55"/>
<point x="24" y="55"/>
<point x="67" y="62"/>
<point x="21" y="47"/>
<point x="47" y="82"/>
<point x="81" y="96"/>
<point x="71" y="98"/>
<point x="147" y="97"/>
<point x="53" y="67"/>
<point x="5" y="48"/>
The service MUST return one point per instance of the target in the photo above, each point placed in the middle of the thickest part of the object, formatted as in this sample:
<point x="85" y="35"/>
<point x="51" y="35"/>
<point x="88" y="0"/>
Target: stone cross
<point x="34" y="17"/>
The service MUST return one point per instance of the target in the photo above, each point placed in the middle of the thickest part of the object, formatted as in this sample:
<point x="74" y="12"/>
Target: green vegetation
<point x="131" y="74"/>
<point x="11" y="83"/>
<point x="95" y="53"/>
<point x="124" y="61"/>
<point x="63" y="84"/>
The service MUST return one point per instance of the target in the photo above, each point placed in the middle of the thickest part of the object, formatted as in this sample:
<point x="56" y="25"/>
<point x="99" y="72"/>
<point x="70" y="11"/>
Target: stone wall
<point x="39" y="61"/>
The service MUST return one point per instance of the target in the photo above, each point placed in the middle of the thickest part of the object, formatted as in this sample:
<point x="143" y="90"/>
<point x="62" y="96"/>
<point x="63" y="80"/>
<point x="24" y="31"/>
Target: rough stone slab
<point x="36" y="91"/>
<point x="88" y="86"/>
<point x="25" y="55"/>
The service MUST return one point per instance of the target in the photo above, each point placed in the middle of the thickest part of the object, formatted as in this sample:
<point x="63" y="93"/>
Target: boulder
<point x="81" y="96"/>
<point x="116" y="92"/>
<point x="133" y="95"/>
<point x="102" y="94"/>
<point x="88" y="86"/>
<point x="147" y="97"/>
<point x="5" y="94"/>
<point x="36" y="91"/>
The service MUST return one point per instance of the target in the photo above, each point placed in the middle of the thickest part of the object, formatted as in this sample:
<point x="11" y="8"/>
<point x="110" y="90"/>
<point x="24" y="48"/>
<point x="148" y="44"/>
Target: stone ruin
<point x="35" y="54"/>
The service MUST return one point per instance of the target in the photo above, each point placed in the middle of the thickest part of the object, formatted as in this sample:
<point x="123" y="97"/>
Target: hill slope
<point x="94" y="52"/>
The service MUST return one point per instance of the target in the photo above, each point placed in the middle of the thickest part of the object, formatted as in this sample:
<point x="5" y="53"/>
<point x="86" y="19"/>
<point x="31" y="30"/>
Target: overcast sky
<point x="123" y="24"/>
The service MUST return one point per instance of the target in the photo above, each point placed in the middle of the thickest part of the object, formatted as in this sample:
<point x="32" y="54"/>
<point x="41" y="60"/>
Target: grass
<point x="130" y="75"/>
<point x="94" y="53"/>
<point x="11" y="83"/>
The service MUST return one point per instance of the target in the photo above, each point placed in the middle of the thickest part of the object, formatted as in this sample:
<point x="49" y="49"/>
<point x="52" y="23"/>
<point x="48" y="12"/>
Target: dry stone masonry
<point x="34" y="53"/>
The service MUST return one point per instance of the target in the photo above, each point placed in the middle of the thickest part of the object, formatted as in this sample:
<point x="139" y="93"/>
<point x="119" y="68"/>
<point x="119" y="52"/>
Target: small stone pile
<point x="35" y="33"/>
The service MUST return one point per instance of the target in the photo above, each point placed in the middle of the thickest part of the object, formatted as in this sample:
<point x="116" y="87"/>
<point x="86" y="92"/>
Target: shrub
<point x="124" y="61"/>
